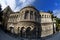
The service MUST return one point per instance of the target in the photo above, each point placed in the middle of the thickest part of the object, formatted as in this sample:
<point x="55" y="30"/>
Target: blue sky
<point x="44" y="5"/>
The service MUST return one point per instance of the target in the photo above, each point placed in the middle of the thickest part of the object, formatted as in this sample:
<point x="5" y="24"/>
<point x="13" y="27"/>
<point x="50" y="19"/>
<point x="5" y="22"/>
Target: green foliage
<point x="50" y="11"/>
<point x="58" y="23"/>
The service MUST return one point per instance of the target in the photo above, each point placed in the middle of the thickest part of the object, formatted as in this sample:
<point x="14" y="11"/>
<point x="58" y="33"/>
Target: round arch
<point x="11" y="27"/>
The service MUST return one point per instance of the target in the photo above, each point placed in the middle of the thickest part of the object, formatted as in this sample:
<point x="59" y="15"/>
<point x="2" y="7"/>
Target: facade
<point x="28" y="21"/>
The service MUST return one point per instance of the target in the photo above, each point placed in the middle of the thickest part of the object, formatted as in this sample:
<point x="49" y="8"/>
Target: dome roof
<point x="29" y="7"/>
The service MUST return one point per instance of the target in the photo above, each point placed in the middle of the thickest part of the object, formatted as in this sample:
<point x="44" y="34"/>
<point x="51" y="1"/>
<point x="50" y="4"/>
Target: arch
<point x="26" y="14"/>
<point x="31" y="14"/>
<point x="22" y="32"/>
<point x="28" y="29"/>
<point x="28" y="32"/>
<point x="42" y="16"/>
<point x="22" y="29"/>
<point x="49" y="16"/>
<point x="11" y="25"/>
<point x="45" y="16"/>
<point x="18" y="30"/>
<point x="29" y="7"/>
<point x="12" y="29"/>
<point x="35" y="15"/>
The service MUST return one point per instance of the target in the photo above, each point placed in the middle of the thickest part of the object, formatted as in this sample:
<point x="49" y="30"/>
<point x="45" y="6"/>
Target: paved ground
<point x="4" y="36"/>
<point x="55" y="37"/>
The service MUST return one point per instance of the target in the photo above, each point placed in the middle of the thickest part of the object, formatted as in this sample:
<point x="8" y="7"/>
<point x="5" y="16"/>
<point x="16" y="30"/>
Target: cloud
<point x="57" y="12"/>
<point x="23" y="3"/>
<point x="16" y="5"/>
<point x="3" y="3"/>
<point x="57" y="4"/>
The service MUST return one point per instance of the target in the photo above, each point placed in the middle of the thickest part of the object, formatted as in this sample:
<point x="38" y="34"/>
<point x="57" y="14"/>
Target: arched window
<point x="31" y="14"/>
<point x="22" y="11"/>
<point x="22" y="31"/>
<point x="49" y="16"/>
<point x="35" y="16"/>
<point x="45" y="16"/>
<point x="42" y="16"/>
<point x="11" y="29"/>
<point x="26" y="14"/>
<point x="28" y="31"/>
<point x="18" y="29"/>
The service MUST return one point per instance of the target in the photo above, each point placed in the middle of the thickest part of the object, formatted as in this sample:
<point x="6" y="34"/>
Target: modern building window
<point x="26" y="14"/>
<point x="31" y="14"/>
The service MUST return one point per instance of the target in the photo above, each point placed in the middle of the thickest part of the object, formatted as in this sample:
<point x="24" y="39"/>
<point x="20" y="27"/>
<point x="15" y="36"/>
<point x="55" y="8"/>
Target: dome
<point x="29" y="13"/>
<point x="32" y="7"/>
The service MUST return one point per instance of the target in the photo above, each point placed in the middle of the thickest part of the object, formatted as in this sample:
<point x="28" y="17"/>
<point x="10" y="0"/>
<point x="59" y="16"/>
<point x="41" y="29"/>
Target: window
<point x="11" y="29"/>
<point x="35" y="15"/>
<point x="49" y="16"/>
<point x="31" y="14"/>
<point x="26" y="14"/>
<point x="18" y="29"/>
<point x="42" y="16"/>
<point x="22" y="31"/>
<point x="22" y="11"/>
<point x="28" y="31"/>
<point x="17" y="15"/>
<point x="45" y="16"/>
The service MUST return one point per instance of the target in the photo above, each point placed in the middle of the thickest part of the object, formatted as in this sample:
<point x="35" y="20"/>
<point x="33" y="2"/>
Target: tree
<point x="0" y="14"/>
<point x="58" y="23"/>
<point x="50" y="11"/>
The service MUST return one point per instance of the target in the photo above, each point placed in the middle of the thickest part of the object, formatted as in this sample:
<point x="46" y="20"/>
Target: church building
<point x="29" y="21"/>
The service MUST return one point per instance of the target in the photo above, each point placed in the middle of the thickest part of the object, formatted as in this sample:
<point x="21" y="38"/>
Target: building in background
<point x="29" y="22"/>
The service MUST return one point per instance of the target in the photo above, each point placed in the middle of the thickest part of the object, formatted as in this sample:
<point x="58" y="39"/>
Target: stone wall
<point x="47" y="29"/>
